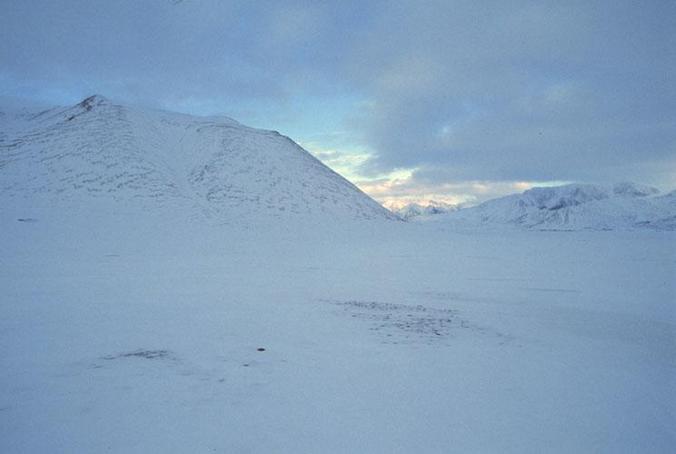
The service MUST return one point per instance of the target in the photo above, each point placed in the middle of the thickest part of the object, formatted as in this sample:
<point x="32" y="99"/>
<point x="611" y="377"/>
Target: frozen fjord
<point x="378" y="337"/>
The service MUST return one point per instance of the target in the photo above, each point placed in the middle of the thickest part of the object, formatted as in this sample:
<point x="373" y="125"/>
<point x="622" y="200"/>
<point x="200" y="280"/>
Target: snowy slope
<point x="575" y="207"/>
<point x="102" y="151"/>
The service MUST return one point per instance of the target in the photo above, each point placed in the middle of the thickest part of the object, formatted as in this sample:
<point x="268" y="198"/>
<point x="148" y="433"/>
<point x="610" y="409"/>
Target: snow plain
<point x="146" y="257"/>
<point x="142" y="335"/>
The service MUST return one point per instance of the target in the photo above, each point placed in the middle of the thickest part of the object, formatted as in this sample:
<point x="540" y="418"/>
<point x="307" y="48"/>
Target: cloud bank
<point x="452" y="94"/>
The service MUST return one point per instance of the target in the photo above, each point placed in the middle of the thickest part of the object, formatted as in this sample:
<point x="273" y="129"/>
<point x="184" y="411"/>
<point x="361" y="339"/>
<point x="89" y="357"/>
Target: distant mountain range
<point x="624" y="206"/>
<point x="102" y="152"/>
<point x="423" y="210"/>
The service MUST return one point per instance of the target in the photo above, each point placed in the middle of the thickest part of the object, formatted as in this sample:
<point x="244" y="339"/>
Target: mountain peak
<point x="94" y="100"/>
<point x="86" y="105"/>
<point x="629" y="189"/>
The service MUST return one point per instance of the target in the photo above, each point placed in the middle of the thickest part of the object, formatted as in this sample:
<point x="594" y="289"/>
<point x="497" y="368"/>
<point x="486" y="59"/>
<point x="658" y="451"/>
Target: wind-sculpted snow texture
<point x="624" y="206"/>
<point x="213" y="165"/>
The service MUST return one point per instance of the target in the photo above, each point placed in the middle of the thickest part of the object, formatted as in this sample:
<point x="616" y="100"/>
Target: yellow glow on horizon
<point x="399" y="187"/>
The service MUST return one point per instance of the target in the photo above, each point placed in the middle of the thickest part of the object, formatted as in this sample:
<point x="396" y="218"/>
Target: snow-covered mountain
<point x="431" y="208"/>
<point x="101" y="151"/>
<point x="127" y="330"/>
<point x="576" y="207"/>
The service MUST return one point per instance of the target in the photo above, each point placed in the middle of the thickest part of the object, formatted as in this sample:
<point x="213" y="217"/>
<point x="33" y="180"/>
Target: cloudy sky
<point x="447" y="100"/>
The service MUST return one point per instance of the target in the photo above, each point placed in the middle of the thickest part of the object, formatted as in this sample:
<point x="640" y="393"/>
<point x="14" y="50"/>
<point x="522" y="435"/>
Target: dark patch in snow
<point x="406" y="324"/>
<point x="553" y="290"/>
<point x="667" y="223"/>
<point x="27" y="220"/>
<point x="400" y="323"/>
<point x="145" y="354"/>
<point x="496" y="279"/>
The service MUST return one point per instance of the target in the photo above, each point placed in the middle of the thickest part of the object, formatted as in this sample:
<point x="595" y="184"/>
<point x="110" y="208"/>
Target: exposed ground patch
<point x="406" y="324"/>
<point x="143" y="354"/>
<point x="400" y="323"/>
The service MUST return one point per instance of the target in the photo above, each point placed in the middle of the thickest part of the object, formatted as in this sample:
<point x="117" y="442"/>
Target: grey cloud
<point x="158" y="51"/>
<point x="523" y="91"/>
<point x="493" y="90"/>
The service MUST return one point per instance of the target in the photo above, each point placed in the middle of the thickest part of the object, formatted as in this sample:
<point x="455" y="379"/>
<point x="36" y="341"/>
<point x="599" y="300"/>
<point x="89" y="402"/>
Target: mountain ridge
<point x="98" y="148"/>
<point x="623" y="206"/>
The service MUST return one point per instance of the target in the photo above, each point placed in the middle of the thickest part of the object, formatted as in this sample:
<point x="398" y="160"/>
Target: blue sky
<point x="451" y="100"/>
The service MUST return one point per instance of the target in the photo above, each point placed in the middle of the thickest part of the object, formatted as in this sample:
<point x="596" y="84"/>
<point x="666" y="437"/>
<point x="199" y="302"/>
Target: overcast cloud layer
<point x="451" y="92"/>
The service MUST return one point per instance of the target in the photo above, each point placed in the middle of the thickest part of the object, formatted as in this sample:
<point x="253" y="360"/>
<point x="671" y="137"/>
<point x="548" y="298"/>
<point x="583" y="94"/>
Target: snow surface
<point x="624" y="206"/>
<point x="134" y="324"/>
